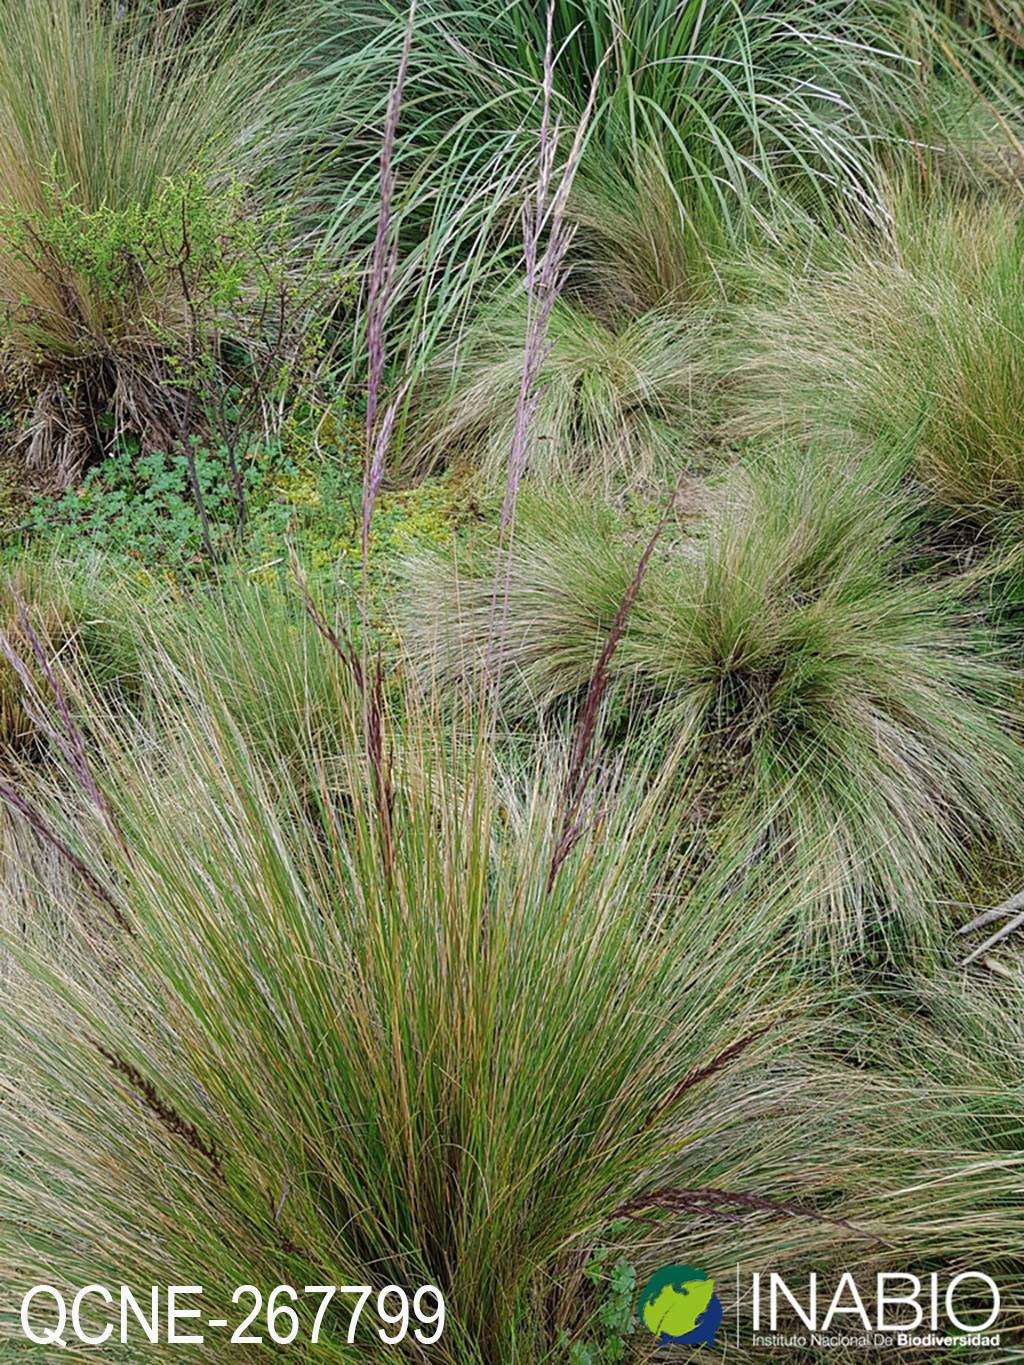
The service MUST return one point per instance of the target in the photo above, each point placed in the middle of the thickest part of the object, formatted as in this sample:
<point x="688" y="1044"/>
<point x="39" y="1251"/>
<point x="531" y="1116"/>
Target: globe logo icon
<point x="680" y="1306"/>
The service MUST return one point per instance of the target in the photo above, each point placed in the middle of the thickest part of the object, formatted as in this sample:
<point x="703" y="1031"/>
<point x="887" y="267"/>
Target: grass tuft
<point x="415" y="1098"/>
<point x="615" y="404"/>
<point x="918" y="338"/>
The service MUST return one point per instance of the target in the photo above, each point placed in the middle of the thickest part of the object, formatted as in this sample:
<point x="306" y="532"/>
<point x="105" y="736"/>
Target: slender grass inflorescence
<point x="546" y="240"/>
<point x="582" y="762"/>
<point x="380" y="290"/>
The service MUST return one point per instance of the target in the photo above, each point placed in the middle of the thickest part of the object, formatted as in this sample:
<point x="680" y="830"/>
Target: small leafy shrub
<point x="151" y="322"/>
<point x="117" y="142"/>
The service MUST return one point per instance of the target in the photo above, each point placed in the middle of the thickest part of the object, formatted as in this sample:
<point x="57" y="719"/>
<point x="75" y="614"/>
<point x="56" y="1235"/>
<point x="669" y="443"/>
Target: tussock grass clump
<point x="257" y="646"/>
<point x="933" y="1137"/>
<point x="615" y="403"/>
<point x="713" y="115"/>
<point x="946" y="1058"/>
<point x="966" y="140"/>
<point x="341" y="1046"/>
<point x="918" y="337"/>
<point x="254" y="642"/>
<point x="936" y="1067"/>
<point x="824" y="698"/>
<point x="638" y="246"/>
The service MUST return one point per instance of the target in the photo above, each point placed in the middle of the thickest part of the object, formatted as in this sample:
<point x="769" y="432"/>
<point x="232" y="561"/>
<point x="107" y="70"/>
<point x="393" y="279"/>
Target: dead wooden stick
<point x="1001" y="933"/>
<point x="1009" y="907"/>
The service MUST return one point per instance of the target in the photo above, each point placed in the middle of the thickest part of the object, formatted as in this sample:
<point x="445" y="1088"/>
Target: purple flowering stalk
<point x="546" y="241"/>
<point x="379" y="295"/>
<point x="583" y="761"/>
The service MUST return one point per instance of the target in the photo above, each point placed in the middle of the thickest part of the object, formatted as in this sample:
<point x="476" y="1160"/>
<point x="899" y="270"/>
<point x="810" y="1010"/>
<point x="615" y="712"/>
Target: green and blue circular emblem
<point x="680" y="1306"/>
